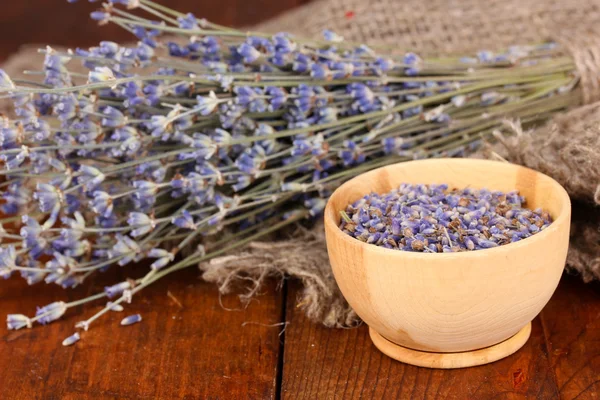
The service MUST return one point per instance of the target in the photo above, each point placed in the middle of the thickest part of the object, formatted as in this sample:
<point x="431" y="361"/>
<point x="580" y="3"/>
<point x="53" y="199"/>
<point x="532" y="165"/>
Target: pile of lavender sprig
<point x="202" y="138"/>
<point x="433" y="219"/>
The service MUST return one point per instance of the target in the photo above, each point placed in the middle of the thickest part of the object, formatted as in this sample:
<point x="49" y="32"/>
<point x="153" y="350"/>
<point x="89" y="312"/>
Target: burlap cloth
<point x="567" y="148"/>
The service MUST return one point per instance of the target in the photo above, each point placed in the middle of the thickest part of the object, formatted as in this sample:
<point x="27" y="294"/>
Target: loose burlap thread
<point x="566" y="148"/>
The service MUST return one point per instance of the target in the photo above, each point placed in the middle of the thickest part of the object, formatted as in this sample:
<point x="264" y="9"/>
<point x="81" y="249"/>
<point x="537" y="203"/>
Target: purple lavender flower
<point x="432" y="219"/>
<point x="315" y="205"/>
<point x="485" y="56"/>
<point x="132" y="319"/>
<point x="141" y="222"/>
<point x="90" y="176"/>
<point x="51" y="312"/>
<point x="251" y="160"/>
<point x="48" y="196"/>
<point x="188" y="21"/>
<point x="163" y="257"/>
<point x="113" y="118"/>
<point x="207" y="104"/>
<point x="17" y="321"/>
<point x="8" y="261"/>
<point x="74" y="338"/>
<point x="101" y="74"/>
<point x="204" y="145"/>
<point x="102" y="203"/>
<point x="185" y="220"/>
<point x="319" y="71"/>
<point x="125" y="250"/>
<point x="248" y="52"/>
<point x="411" y="62"/>
<point x="117" y="289"/>
<point x="242" y="182"/>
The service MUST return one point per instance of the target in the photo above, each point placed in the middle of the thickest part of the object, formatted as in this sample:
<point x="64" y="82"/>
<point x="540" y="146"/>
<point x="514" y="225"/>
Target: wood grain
<point x="321" y="363"/>
<point x="186" y="347"/>
<point x="463" y="303"/>
<point x="56" y="22"/>
<point x="202" y="351"/>
<point x="572" y="323"/>
<point x="452" y="360"/>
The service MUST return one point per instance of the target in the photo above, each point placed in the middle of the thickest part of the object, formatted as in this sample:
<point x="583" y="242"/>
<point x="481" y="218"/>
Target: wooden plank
<point x="344" y="364"/>
<point x="185" y="348"/>
<point x="571" y="322"/>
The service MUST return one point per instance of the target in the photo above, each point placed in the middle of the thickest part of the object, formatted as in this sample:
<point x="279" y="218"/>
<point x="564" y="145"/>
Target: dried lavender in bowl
<point x="434" y="219"/>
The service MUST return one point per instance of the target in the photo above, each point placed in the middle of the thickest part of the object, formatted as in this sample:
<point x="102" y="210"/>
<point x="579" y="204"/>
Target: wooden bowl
<point x="451" y="310"/>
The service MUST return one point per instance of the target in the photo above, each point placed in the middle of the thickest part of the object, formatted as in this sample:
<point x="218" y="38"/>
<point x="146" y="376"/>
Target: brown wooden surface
<point x="344" y="364"/>
<point x="56" y="22"/>
<point x="572" y="324"/>
<point x="187" y="346"/>
<point x="560" y="360"/>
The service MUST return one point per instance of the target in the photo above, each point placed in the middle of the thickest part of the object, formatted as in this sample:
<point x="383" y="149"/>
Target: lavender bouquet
<point x="202" y="138"/>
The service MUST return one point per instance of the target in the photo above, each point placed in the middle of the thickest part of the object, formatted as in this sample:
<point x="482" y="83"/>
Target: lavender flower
<point x="207" y="104"/>
<point x="74" y="338"/>
<point x="141" y="222"/>
<point x="131" y="319"/>
<point x="115" y="290"/>
<point x="8" y="261"/>
<point x="230" y="136"/>
<point x="114" y="307"/>
<point x="101" y="74"/>
<point x="431" y="218"/>
<point x="102" y="203"/>
<point x="51" y="312"/>
<point x="163" y="257"/>
<point x="17" y="321"/>
<point x="125" y="250"/>
<point x="248" y="52"/>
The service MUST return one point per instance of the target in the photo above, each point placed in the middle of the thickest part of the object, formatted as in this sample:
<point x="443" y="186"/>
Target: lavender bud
<point x="51" y="312"/>
<point x="207" y="105"/>
<point x="74" y="338"/>
<point x="430" y="218"/>
<point x="117" y="289"/>
<point x="114" y="307"/>
<point x="101" y="74"/>
<point x="132" y="319"/>
<point x="17" y="321"/>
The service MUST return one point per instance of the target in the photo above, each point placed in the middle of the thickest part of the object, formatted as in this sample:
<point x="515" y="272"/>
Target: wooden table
<point x="189" y="346"/>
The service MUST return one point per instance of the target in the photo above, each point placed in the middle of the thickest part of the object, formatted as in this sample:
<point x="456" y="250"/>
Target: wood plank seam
<point x="282" y="319"/>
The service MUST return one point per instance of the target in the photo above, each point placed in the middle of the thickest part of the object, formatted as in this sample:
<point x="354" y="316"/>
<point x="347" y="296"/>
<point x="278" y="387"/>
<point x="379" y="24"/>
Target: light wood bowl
<point x="451" y="310"/>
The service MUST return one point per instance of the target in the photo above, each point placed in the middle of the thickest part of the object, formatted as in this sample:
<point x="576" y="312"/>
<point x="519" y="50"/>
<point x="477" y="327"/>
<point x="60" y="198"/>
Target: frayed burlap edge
<point x="304" y="257"/>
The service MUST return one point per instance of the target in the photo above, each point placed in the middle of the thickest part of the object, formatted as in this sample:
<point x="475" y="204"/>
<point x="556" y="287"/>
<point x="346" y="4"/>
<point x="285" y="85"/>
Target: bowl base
<point x="451" y="360"/>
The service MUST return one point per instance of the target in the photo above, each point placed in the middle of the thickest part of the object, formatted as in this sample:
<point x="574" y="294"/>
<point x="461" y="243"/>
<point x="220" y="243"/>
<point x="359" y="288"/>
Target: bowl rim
<point x="332" y="226"/>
